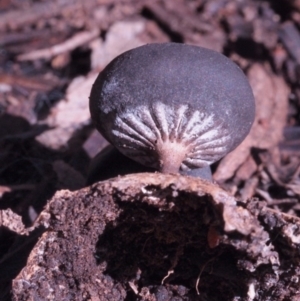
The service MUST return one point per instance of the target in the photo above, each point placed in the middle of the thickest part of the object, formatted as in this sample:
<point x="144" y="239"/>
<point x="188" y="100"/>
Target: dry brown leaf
<point x="271" y="98"/>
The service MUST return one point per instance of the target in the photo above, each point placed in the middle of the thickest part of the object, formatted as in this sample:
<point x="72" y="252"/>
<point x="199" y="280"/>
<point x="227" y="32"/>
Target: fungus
<point x="173" y="107"/>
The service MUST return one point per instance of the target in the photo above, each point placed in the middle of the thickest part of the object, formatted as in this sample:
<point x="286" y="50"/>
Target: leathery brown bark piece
<point x="160" y="237"/>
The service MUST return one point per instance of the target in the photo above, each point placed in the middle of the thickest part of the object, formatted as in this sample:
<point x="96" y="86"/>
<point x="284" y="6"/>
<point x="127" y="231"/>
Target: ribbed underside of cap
<point x="151" y="134"/>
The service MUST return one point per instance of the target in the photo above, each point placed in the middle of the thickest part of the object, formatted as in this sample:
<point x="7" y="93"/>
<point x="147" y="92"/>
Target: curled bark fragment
<point x="142" y="234"/>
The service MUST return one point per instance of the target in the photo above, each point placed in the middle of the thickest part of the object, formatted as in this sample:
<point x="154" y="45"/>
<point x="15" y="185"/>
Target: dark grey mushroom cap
<point x="171" y="106"/>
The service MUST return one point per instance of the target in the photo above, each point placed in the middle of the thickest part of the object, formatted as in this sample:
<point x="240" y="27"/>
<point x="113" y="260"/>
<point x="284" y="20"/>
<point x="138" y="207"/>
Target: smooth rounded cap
<point x="172" y="106"/>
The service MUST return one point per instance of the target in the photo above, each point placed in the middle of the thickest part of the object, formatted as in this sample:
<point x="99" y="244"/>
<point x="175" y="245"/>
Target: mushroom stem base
<point x="171" y="155"/>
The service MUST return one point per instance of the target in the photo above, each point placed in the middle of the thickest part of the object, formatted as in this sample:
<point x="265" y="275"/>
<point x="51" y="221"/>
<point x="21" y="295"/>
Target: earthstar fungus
<point x="172" y="107"/>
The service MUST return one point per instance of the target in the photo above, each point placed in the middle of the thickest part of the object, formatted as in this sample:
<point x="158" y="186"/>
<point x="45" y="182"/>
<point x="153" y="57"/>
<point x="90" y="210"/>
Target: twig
<point x="77" y="40"/>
